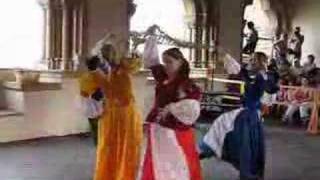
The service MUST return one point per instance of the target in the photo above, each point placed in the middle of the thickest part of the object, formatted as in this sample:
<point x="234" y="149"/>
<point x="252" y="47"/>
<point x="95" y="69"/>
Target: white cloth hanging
<point x="151" y="53"/>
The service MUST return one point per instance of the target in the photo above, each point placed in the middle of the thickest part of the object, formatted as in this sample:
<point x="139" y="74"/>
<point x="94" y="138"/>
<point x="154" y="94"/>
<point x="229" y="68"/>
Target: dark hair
<point x="291" y="52"/>
<point x="250" y="24"/>
<point x="311" y="57"/>
<point x="177" y="54"/>
<point x="260" y="59"/>
<point x="292" y="79"/>
<point x="272" y="65"/>
<point x="297" y="33"/>
<point x="261" y="56"/>
<point x="93" y="63"/>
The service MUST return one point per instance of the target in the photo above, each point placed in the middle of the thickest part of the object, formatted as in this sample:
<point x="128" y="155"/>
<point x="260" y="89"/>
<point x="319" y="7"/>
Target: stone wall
<point x="106" y="16"/>
<point x="231" y="27"/>
<point x="57" y="111"/>
<point x="5" y="75"/>
<point x="308" y="18"/>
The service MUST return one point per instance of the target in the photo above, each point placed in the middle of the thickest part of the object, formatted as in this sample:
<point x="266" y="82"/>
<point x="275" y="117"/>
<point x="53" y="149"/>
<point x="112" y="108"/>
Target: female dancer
<point x="120" y="127"/>
<point x="170" y="152"/>
<point x="237" y="136"/>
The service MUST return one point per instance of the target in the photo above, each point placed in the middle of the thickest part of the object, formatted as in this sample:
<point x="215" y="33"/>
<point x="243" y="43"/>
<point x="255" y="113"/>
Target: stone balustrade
<point x="52" y="105"/>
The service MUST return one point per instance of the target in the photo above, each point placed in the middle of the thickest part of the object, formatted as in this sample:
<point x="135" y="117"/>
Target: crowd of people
<point x="286" y="59"/>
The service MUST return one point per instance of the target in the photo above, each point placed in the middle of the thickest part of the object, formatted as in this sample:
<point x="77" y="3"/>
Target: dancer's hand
<point x="146" y="127"/>
<point x="163" y="113"/>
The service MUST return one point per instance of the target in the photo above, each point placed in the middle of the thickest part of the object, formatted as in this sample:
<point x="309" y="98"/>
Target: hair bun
<point x="175" y="53"/>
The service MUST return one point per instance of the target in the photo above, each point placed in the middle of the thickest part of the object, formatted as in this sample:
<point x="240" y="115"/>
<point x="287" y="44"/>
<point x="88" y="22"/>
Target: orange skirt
<point x="119" y="143"/>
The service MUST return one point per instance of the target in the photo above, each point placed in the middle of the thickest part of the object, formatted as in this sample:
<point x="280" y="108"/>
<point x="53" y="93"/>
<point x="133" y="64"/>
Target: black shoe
<point x="206" y="155"/>
<point x="202" y="156"/>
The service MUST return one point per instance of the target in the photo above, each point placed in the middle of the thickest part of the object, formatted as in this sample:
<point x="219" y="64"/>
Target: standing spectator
<point x="296" y="43"/>
<point x="281" y="48"/>
<point x="252" y="39"/>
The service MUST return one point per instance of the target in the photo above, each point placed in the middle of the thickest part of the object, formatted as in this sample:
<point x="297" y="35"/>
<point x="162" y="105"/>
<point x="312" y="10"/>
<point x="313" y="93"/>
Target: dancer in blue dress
<point x="237" y="136"/>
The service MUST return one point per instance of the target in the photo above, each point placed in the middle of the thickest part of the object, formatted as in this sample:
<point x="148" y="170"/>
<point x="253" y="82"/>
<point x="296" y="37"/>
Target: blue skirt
<point x="244" y="145"/>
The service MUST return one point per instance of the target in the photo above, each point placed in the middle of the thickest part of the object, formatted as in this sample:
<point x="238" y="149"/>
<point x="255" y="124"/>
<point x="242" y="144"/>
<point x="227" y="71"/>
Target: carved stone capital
<point x="44" y="3"/>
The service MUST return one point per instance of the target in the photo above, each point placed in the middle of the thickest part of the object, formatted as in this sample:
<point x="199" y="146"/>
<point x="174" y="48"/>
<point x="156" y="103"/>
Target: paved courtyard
<point x="291" y="155"/>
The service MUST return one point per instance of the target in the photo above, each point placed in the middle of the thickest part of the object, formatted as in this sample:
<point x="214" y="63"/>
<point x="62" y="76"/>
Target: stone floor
<point x="292" y="155"/>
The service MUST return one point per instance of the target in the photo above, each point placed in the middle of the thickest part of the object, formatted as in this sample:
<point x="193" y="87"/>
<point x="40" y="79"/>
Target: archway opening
<point x="265" y="22"/>
<point x="170" y="15"/>
<point x="20" y="34"/>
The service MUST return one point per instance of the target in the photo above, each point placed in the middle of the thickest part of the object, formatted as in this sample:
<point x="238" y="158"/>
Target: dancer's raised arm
<point x="151" y="53"/>
<point x="151" y="59"/>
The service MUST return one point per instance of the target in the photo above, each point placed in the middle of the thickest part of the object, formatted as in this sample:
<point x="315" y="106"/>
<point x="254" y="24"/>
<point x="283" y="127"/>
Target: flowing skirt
<point x="119" y="143"/>
<point x="238" y="138"/>
<point x="169" y="155"/>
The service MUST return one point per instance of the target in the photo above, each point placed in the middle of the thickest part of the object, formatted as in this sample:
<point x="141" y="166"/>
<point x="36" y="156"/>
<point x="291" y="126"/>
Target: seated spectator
<point x="317" y="78"/>
<point x="314" y="76"/>
<point x="290" y="92"/>
<point x="309" y="65"/>
<point x="282" y="93"/>
<point x="284" y="69"/>
<point x="299" y="99"/>
<point x="296" y="69"/>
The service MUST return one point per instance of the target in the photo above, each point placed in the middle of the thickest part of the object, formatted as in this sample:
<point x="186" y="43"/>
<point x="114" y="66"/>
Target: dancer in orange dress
<point x="120" y="127"/>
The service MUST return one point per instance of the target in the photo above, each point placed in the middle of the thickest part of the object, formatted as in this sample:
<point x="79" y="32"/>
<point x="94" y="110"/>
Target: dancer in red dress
<point x="170" y="151"/>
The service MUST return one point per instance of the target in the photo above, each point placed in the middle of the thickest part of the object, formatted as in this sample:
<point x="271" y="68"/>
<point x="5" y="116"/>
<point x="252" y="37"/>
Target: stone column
<point x="81" y="34"/>
<point x="203" y="49"/>
<point x="191" y="40"/>
<point x="75" y="36"/>
<point x="198" y="41"/>
<point x="207" y="41"/>
<point x="81" y="22"/>
<point x="66" y="34"/>
<point x="189" y="22"/>
<point x="44" y="37"/>
<point x="48" y="32"/>
<point x="211" y="48"/>
<point x="58" y="35"/>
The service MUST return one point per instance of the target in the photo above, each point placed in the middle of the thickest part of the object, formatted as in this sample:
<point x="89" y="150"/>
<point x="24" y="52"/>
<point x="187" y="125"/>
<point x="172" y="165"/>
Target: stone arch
<point x="285" y="11"/>
<point x="281" y="12"/>
<point x="261" y="13"/>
